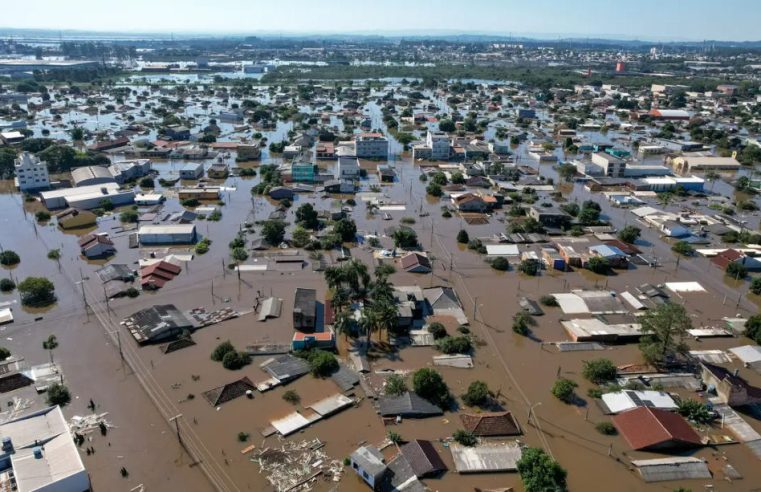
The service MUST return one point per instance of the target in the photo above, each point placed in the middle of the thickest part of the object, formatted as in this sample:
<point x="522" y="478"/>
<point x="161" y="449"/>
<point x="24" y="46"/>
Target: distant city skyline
<point x="656" y="20"/>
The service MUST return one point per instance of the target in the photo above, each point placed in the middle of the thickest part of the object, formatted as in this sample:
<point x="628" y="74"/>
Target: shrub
<point x="599" y="370"/>
<point x="4" y="353"/>
<point x="54" y="254"/>
<point x="395" y="385"/>
<point x="629" y="234"/>
<point x="478" y="394"/>
<point x="394" y="437"/>
<point x="755" y="285"/>
<point x="7" y="285"/>
<point x="563" y="389"/>
<point x="243" y="436"/>
<point x="437" y="330"/>
<point x="42" y="216"/>
<point x="529" y="267"/>
<point x="132" y="292"/>
<point x="598" y="265"/>
<point x="322" y="363"/>
<point x="521" y="322"/>
<point x="695" y="411"/>
<point x="9" y="258"/>
<point x="235" y="360"/>
<point x="221" y="350"/>
<point x="683" y="248"/>
<point x="405" y="238"/>
<point x="434" y="189"/>
<point x="128" y="217"/>
<point x="429" y="384"/>
<point x="606" y="428"/>
<point x="466" y="438"/>
<point x="463" y="237"/>
<point x="500" y="263"/>
<point x="291" y="397"/>
<point x="454" y="345"/>
<point x="239" y="254"/>
<point x="594" y="393"/>
<point x="548" y="300"/>
<point x="58" y="394"/>
<point x="752" y="327"/>
<point x="147" y="183"/>
<point x="736" y="270"/>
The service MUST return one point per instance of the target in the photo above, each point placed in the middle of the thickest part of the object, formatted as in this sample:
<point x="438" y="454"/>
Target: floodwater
<point x="520" y="369"/>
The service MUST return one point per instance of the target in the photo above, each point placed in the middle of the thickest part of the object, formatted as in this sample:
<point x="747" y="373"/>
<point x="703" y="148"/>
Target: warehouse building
<point x="167" y="234"/>
<point x="87" y="197"/>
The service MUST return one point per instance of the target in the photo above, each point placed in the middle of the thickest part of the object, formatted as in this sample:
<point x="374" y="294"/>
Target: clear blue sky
<point x="645" y="19"/>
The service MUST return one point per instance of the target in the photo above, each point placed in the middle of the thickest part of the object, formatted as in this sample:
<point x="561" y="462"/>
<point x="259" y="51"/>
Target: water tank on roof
<point x="37" y="450"/>
<point x="7" y="444"/>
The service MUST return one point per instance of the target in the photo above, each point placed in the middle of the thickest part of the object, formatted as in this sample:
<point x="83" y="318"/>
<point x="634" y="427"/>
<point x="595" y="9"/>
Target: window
<point x="365" y="475"/>
<point x="355" y="466"/>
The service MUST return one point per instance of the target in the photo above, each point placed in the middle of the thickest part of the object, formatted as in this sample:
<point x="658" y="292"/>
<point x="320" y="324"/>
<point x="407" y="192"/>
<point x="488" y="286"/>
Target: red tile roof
<point x="646" y="427"/>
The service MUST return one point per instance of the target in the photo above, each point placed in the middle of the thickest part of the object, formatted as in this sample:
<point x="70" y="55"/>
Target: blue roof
<point x="606" y="251"/>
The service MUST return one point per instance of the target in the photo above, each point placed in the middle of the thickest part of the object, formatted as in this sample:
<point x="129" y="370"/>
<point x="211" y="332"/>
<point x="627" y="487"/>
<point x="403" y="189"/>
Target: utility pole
<point x="176" y="420"/>
<point x="475" y="307"/>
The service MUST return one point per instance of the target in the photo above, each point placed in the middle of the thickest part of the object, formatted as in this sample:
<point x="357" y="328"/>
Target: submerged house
<point x="305" y="310"/>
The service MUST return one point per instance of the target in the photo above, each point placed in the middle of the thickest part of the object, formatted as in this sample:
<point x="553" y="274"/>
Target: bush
<point x="7" y="285"/>
<point x="394" y="437"/>
<point x="322" y="363"/>
<point x="437" y="330"/>
<point x="58" y="394"/>
<point x="9" y="258"/>
<point x="239" y="254"/>
<point x="54" y="254"/>
<point x="594" y="393"/>
<point x="243" y="436"/>
<point x="629" y="234"/>
<point x="466" y="438"/>
<point x="235" y="360"/>
<point x="529" y="267"/>
<point x="695" y="411"/>
<point x="395" y="385"/>
<point x="42" y="216"/>
<point x="37" y="291"/>
<point x="463" y="237"/>
<point x="222" y="349"/>
<point x="521" y="322"/>
<point x="548" y="300"/>
<point x="128" y="217"/>
<point x="540" y="473"/>
<point x="190" y="202"/>
<point x="4" y="353"/>
<point x="606" y="428"/>
<point x="752" y="327"/>
<point x="429" y="384"/>
<point x="563" y="389"/>
<point x="273" y="231"/>
<point x="736" y="270"/>
<point x="454" y="345"/>
<point x="478" y="394"/>
<point x="683" y="248"/>
<point x="599" y="370"/>
<point x="405" y="238"/>
<point x="500" y="263"/>
<point x="291" y="397"/>
<point x="147" y="183"/>
<point x="434" y="189"/>
<point x="202" y="247"/>
<point x="598" y="265"/>
<point x="755" y="285"/>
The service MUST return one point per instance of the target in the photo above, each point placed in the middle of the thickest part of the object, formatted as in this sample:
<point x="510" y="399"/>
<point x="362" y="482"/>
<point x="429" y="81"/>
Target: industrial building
<point x="167" y="234"/>
<point x="91" y="175"/>
<point x="87" y="197"/>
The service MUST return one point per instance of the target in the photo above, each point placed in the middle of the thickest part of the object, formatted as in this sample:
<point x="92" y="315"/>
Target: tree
<point x="300" y="236"/>
<point x="4" y="353"/>
<point x="683" y="248"/>
<point x="464" y="437"/>
<point x="434" y="189"/>
<point x="273" y="231"/>
<point x="598" y="264"/>
<point x="437" y="330"/>
<point x="500" y="263"/>
<point x="291" y="397"/>
<point x="463" y="237"/>
<point x="58" y="394"/>
<point x="235" y="360"/>
<point x="478" y="394"/>
<point x="629" y="234"/>
<point x="548" y="300"/>
<point x="7" y="285"/>
<point x="695" y="411"/>
<point x="447" y="126"/>
<point x="588" y="216"/>
<point x="540" y="473"/>
<point x="42" y="216"/>
<point x="239" y="254"/>
<point x="307" y="216"/>
<point x="106" y="204"/>
<point x="429" y="384"/>
<point x="454" y="345"/>
<point x="567" y="171"/>
<point x="599" y="370"/>
<point x="521" y="322"/>
<point x="753" y="328"/>
<point x="395" y="385"/>
<point x="755" y="285"/>
<point x="147" y="182"/>
<point x="458" y="178"/>
<point x="77" y="133"/>
<point x="221" y="350"/>
<point x="406" y="238"/>
<point x="54" y="254"/>
<point x="529" y="267"/>
<point x="347" y="229"/>
<point x="736" y="270"/>
<point x="37" y="291"/>
<point x="606" y="428"/>
<point x="322" y="363"/>
<point x="128" y="217"/>
<point x="9" y="258"/>
<point x="563" y="389"/>
<point x="665" y="329"/>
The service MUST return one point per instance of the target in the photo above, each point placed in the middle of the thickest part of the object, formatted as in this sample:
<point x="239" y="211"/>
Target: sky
<point x="660" y="20"/>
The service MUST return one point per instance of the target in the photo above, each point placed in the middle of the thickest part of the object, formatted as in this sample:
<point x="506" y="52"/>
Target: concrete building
<point x="248" y="152"/>
<point x="368" y="463"/>
<point x="192" y="171"/>
<point x="38" y="454"/>
<point x="698" y="162"/>
<point x="31" y="173"/>
<point x="303" y="172"/>
<point x="347" y="168"/>
<point x="130" y="170"/>
<point x="439" y="144"/>
<point x="87" y="197"/>
<point x="91" y="175"/>
<point x="371" y="146"/>
<point x="167" y="234"/>
<point x="305" y="309"/>
<point x="612" y="166"/>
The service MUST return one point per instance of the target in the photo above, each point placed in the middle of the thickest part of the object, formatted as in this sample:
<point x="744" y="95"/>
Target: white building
<point x="167" y="234"/>
<point x="31" y="173"/>
<point x="38" y="454"/>
<point x="371" y="146"/>
<point x="612" y="166"/>
<point x="348" y="168"/>
<point x="622" y="401"/>
<point x="439" y="144"/>
<point x="367" y="462"/>
<point x="192" y="170"/>
<point x="87" y="197"/>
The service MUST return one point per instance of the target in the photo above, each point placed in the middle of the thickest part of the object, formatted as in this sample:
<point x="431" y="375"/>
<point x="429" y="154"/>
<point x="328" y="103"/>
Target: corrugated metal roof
<point x="674" y="468"/>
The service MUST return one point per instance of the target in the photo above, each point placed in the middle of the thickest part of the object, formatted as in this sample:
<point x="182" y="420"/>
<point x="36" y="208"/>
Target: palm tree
<point x="334" y="277"/>
<point x="387" y="316"/>
<point x="369" y="322"/>
<point x="50" y="344"/>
